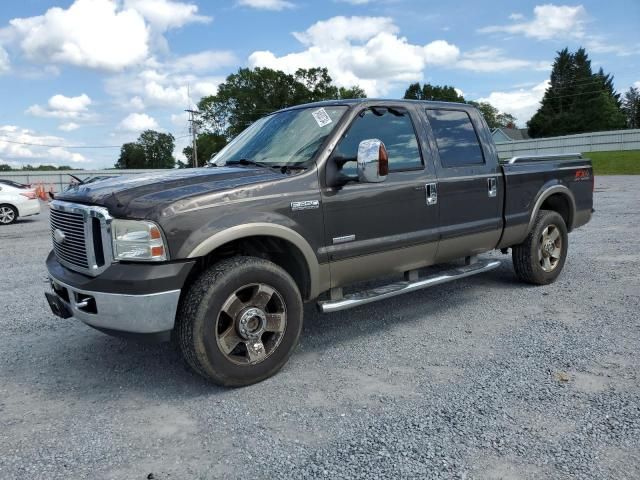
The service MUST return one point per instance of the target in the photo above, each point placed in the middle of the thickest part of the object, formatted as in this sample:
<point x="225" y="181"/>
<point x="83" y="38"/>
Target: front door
<point x="469" y="188"/>
<point x="376" y="228"/>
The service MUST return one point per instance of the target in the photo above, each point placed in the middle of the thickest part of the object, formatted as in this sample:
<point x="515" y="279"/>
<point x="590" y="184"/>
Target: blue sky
<point x="87" y="73"/>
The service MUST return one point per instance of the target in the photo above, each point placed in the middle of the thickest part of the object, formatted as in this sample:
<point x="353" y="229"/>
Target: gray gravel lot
<point x="483" y="378"/>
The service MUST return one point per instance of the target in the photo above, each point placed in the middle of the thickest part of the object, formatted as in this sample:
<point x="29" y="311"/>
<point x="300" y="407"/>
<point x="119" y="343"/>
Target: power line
<point x="71" y="147"/>
<point x="3" y="139"/>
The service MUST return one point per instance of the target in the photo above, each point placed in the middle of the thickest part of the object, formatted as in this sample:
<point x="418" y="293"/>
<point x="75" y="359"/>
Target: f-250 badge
<point x="305" y="205"/>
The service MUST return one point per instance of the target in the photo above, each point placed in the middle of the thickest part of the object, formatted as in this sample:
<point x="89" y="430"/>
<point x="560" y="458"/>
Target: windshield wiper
<point x="289" y="168"/>
<point x="246" y="161"/>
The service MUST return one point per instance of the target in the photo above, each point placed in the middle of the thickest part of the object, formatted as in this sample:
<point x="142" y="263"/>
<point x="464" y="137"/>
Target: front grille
<point x="81" y="236"/>
<point x="73" y="249"/>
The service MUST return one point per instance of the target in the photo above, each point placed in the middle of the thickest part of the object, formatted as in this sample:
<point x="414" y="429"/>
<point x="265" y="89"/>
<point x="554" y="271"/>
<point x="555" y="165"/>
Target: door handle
<point x="432" y="193"/>
<point x="492" y="183"/>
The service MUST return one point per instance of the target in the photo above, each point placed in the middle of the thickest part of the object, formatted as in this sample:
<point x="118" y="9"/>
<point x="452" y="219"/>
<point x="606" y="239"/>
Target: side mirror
<point x="373" y="161"/>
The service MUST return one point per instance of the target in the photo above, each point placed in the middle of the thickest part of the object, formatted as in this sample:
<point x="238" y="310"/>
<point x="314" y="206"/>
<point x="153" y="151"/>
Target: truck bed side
<point x="565" y="186"/>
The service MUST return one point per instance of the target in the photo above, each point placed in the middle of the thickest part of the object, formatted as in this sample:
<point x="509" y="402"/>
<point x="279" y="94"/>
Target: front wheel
<point x="540" y="258"/>
<point x="240" y="321"/>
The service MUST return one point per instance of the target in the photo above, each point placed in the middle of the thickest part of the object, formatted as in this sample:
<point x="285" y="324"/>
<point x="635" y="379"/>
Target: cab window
<point x="391" y="125"/>
<point x="456" y="137"/>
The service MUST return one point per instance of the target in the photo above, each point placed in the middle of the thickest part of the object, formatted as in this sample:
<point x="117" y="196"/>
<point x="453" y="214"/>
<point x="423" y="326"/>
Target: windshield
<point x="284" y="139"/>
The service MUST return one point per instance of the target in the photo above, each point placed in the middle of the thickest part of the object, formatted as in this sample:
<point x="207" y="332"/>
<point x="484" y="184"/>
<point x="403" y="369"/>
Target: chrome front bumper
<point x="137" y="314"/>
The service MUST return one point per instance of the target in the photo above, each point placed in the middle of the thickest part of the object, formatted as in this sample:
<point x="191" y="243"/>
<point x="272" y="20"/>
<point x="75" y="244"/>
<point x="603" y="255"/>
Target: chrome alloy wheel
<point x="550" y="248"/>
<point x="251" y="324"/>
<point x="7" y="215"/>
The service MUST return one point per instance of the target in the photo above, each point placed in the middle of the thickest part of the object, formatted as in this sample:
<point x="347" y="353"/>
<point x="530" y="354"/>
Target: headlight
<point x="137" y="240"/>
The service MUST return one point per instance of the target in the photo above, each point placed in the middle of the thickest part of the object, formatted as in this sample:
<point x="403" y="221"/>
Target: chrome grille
<point x="74" y="248"/>
<point x="81" y="236"/>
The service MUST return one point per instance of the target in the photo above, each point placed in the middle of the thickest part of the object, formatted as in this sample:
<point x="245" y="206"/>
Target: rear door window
<point x="456" y="137"/>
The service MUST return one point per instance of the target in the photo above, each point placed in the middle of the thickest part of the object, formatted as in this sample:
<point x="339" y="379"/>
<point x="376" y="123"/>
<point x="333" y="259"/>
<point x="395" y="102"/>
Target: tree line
<point x="578" y="100"/>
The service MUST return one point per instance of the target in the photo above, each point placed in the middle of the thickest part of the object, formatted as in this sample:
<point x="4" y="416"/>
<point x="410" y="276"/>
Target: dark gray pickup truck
<point x="306" y="205"/>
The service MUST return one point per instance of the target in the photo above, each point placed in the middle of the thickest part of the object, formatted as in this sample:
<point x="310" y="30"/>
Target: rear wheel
<point x="541" y="257"/>
<point x="240" y="321"/>
<point x="8" y="214"/>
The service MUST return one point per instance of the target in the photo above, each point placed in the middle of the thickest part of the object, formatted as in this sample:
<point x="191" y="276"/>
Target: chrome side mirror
<point x="373" y="161"/>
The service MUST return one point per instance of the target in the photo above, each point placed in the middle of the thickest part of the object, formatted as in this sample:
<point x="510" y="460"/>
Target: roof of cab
<point x="377" y="101"/>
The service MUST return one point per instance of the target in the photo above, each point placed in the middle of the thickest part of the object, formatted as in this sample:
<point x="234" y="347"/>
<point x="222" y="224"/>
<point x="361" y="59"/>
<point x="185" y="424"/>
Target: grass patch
<point x="615" y="163"/>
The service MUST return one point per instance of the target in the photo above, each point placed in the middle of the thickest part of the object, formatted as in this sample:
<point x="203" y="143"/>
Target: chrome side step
<point x="398" y="288"/>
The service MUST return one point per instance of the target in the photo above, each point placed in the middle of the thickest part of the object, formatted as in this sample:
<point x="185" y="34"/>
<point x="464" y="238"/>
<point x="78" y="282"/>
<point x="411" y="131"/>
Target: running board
<point x="398" y="288"/>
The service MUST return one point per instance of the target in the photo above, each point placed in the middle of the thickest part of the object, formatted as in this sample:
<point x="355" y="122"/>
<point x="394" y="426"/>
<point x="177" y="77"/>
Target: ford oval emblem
<point x="59" y="236"/>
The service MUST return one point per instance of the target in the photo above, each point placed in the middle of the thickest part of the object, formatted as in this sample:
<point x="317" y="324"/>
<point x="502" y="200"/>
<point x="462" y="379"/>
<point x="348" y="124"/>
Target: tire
<point x="8" y="214"/>
<point x="540" y="258"/>
<point x="211" y="315"/>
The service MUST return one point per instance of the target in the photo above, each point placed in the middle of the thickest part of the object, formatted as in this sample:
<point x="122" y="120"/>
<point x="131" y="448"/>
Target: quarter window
<point x="457" y="140"/>
<point x="392" y="126"/>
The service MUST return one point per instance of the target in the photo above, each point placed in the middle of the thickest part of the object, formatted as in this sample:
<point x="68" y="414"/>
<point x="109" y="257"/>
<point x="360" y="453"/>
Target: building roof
<point x="514" y="133"/>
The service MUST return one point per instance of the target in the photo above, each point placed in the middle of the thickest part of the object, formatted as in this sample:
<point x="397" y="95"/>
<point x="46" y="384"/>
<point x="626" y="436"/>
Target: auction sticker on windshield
<point x="322" y="117"/>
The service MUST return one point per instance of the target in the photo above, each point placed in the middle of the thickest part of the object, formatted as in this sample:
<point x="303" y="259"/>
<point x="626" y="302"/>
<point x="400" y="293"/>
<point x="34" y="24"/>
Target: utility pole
<point x="194" y="134"/>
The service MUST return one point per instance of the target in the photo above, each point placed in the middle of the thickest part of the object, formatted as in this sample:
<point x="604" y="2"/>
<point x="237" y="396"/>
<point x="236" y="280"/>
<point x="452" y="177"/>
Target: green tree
<point x="249" y="94"/>
<point x="506" y="120"/>
<point x="631" y="107"/>
<point x="444" y="93"/>
<point x="151" y="150"/>
<point x="5" y="168"/>
<point x="577" y="100"/>
<point x="351" y="92"/>
<point x="208" y="145"/>
<point x="494" y="117"/>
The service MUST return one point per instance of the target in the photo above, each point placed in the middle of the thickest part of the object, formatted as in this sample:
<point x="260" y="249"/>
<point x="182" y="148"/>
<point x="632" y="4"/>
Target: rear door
<point x="378" y="228"/>
<point x="469" y="190"/>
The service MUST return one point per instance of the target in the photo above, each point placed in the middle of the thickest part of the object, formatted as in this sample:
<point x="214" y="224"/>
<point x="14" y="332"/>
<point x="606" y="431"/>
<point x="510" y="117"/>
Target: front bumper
<point x="126" y="299"/>
<point x="141" y="314"/>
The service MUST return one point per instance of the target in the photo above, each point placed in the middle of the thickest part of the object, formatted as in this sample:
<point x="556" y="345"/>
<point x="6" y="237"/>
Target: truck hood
<point x="147" y="195"/>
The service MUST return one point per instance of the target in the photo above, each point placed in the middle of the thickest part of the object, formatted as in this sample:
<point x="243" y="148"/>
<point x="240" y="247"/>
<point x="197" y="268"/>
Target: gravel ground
<point x="483" y="378"/>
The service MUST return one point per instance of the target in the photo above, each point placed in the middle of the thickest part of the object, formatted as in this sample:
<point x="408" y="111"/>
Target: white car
<point x="16" y="200"/>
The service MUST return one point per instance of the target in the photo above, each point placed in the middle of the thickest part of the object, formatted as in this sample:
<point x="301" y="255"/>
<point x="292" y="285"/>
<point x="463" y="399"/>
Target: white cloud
<point x="65" y="155"/>
<point x="487" y="59"/>
<point x="90" y="33"/>
<point x="68" y="127"/>
<point x="360" y="50"/>
<point x="341" y="29"/>
<point x="516" y="16"/>
<point x="637" y="84"/>
<point x="22" y="145"/>
<point x="266" y="4"/>
<point x="440" y="53"/>
<point x="549" y="21"/>
<point x="164" y="84"/>
<point x="136" y="103"/>
<point x="70" y="104"/>
<point x="522" y="102"/>
<point x="204" y="61"/>
<point x="167" y="14"/>
<point x="179" y="119"/>
<point x="137" y="122"/>
<point x="60" y="106"/>
<point x="5" y="64"/>
<point x="600" y="44"/>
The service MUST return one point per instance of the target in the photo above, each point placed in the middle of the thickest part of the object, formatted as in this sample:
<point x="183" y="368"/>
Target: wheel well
<point x="559" y="203"/>
<point x="277" y="250"/>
